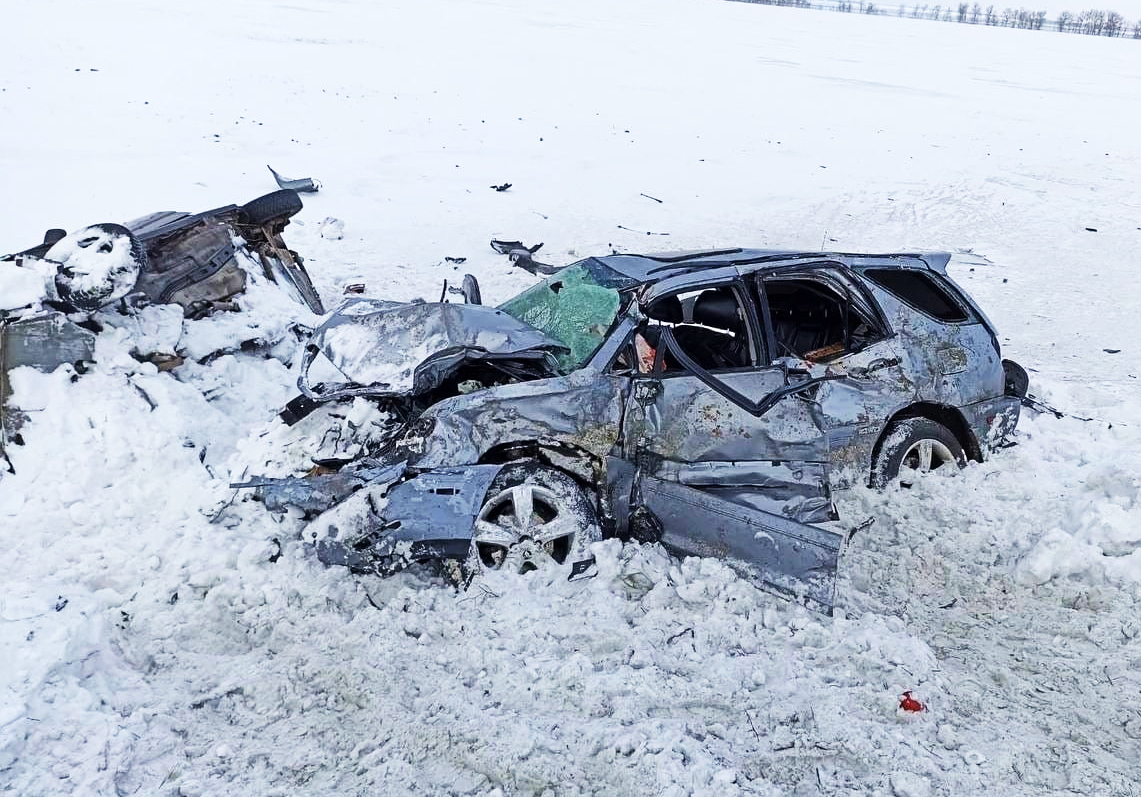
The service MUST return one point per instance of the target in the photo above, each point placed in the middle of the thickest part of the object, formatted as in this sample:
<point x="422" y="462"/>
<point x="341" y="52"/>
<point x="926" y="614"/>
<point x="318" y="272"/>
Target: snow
<point x="20" y="286"/>
<point x="162" y="635"/>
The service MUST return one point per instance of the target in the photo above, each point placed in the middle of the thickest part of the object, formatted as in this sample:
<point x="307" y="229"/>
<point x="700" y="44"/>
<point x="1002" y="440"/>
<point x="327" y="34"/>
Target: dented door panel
<point x="794" y="559"/>
<point x="797" y="490"/>
<point x="689" y="422"/>
<point x="718" y="480"/>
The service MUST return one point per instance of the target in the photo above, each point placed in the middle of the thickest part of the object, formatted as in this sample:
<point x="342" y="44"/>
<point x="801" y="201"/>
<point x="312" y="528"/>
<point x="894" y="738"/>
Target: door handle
<point x="646" y="391"/>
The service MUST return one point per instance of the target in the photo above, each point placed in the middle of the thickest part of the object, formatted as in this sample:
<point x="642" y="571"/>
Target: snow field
<point x="157" y="640"/>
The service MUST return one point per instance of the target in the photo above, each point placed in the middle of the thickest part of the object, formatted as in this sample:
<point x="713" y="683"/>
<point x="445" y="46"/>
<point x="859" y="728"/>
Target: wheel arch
<point x="949" y="417"/>
<point x="576" y="462"/>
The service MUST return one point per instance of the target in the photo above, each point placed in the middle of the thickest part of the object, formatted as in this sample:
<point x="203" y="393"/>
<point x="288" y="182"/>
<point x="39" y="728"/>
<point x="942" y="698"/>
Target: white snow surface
<point x="155" y="642"/>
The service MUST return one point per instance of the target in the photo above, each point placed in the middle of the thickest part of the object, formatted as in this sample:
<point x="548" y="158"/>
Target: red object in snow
<point x="909" y="703"/>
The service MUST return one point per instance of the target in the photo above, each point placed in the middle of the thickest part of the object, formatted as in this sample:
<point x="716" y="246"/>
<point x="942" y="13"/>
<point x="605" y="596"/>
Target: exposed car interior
<point x="813" y="317"/>
<point x="708" y="325"/>
<point x="812" y="321"/>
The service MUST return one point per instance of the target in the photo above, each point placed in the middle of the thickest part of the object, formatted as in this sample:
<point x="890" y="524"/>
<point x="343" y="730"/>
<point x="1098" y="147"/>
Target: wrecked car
<point x="156" y="270"/>
<point x="711" y="401"/>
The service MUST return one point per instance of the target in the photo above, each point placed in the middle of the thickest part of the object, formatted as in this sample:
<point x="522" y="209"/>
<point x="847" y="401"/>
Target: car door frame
<point x="785" y="554"/>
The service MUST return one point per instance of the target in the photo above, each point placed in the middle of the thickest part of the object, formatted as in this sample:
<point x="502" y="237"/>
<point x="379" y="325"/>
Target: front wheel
<point x="913" y="446"/>
<point x="533" y="518"/>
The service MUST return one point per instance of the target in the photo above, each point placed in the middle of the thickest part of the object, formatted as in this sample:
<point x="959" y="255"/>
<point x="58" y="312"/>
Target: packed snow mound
<point x="20" y="286"/>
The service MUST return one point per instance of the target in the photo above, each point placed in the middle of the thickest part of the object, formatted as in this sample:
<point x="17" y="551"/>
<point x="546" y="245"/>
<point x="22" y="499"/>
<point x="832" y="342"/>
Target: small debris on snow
<point x="641" y="232"/>
<point x="909" y="703"/>
<point x="332" y="229"/>
<point x="304" y="184"/>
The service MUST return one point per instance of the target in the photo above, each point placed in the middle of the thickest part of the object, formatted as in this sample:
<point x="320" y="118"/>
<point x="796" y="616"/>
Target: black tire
<point x="76" y="253"/>
<point x="562" y="525"/>
<point x="914" y="444"/>
<point x="271" y="207"/>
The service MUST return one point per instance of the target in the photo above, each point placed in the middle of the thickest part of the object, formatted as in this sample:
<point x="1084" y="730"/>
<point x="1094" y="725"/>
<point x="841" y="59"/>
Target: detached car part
<point x="172" y="257"/>
<point x="197" y="261"/>
<point x="303" y="185"/>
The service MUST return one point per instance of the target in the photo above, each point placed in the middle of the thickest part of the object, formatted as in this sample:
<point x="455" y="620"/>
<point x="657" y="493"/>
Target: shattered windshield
<point x="576" y="307"/>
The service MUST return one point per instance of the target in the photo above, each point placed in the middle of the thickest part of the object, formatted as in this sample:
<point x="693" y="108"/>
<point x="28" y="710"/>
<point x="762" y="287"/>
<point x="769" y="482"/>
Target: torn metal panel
<point x="794" y="559"/>
<point x="796" y="490"/>
<point x="42" y="341"/>
<point x="438" y="504"/>
<point x="303" y="184"/>
<point x="686" y="421"/>
<point x="317" y="493"/>
<point x="583" y="410"/>
<point x="428" y="516"/>
<point x="45" y="341"/>
<point x="390" y="348"/>
<point x="992" y="421"/>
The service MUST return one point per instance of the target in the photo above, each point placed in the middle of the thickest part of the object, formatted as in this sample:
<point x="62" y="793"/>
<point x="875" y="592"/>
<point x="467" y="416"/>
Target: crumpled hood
<point x="384" y="348"/>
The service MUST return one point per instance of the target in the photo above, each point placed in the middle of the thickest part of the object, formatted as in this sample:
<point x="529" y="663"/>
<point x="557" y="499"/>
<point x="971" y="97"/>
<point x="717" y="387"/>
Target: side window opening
<point x="920" y="290"/>
<point x="813" y="321"/>
<point x="709" y="325"/>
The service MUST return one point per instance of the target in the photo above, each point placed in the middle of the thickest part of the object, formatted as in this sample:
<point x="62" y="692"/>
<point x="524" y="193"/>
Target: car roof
<point x="648" y="269"/>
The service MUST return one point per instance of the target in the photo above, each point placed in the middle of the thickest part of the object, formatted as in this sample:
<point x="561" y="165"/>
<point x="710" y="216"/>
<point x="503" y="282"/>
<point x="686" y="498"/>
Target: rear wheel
<point x="533" y="518"/>
<point x="913" y="446"/>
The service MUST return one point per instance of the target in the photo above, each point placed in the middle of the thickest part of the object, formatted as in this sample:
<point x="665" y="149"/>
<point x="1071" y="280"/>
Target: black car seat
<point x="716" y="338"/>
<point x="801" y="321"/>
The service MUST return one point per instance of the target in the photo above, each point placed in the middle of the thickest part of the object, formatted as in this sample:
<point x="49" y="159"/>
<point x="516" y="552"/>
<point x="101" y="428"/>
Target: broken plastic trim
<point x="579" y="568"/>
<point x="521" y="256"/>
<point x="305" y="184"/>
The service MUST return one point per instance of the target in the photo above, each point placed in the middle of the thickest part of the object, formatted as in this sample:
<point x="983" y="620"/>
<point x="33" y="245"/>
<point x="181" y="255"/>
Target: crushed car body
<point x="711" y="401"/>
<point x="149" y="275"/>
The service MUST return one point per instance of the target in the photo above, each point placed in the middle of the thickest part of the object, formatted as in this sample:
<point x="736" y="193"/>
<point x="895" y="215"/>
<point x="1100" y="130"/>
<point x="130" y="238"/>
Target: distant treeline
<point x="1092" y="23"/>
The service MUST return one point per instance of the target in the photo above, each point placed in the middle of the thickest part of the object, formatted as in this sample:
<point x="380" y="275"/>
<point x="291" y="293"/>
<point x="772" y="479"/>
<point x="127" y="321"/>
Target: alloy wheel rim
<point x="926" y="455"/>
<point x="523" y="528"/>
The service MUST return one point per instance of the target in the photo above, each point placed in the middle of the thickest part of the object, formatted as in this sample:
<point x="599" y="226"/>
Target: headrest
<point x="717" y="308"/>
<point x="667" y="308"/>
